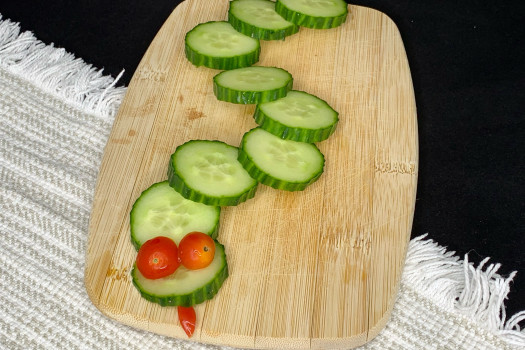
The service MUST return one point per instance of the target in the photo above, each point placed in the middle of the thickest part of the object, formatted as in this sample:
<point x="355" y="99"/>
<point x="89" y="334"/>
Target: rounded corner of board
<point x="377" y="328"/>
<point x="375" y="12"/>
<point x="93" y="298"/>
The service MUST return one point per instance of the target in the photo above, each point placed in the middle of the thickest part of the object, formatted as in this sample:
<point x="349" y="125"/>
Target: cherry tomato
<point x="158" y="257"/>
<point x="196" y="250"/>
<point x="187" y="319"/>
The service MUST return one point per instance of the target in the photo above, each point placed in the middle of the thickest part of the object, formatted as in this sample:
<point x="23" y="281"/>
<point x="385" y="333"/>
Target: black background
<point x="467" y="60"/>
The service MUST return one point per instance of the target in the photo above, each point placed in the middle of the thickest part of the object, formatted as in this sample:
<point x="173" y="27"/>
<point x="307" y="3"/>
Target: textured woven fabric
<point x="55" y="116"/>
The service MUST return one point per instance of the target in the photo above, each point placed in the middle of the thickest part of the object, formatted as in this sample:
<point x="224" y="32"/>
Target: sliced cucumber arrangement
<point x="174" y="223"/>
<point x="299" y="116"/>
<point x="258" y="19"/>
<point x="208" y="172"/>
<point x="185" y="287"/>
<point x="162" y="211"/>
<point x="318" y="14"/>
<point x="251" y="85"/>
<point x="281" y="164"/>
<point x="218" y="45"/>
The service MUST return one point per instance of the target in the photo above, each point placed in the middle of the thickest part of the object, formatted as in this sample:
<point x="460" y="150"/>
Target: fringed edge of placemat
<point x="456" y="285"/>
<point x="58" y="72"/>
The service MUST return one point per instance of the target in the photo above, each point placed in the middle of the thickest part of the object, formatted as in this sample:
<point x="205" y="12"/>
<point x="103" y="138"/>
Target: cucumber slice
<point x="250" y="85"/>
<point x="218" y="45"/>
<point x="299" y="116"/>
<point x="318" y="14"/>
<point x="209" y="172"/>
<point x="184" y="287"/>
<point x="162" y="211"/>
<point x="281" y="164"/>
<point x="258" y="19"/>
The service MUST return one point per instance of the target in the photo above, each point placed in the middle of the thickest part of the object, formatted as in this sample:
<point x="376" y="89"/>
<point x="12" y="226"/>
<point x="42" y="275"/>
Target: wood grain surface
<point x="313" y="269"/>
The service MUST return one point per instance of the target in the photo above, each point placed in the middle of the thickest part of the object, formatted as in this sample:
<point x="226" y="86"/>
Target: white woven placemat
<point x="55" y="116"/>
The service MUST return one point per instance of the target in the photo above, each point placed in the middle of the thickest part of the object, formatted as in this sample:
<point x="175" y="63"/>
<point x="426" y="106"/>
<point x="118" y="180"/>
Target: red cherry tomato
<point x="187" y="319"/>
<point x="158" y="257"/>
<point x="196" y="250"/>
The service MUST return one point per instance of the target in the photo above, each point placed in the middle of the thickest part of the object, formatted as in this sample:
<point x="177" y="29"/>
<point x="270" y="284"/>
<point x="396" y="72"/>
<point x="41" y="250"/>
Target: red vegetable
<point x="157" y="258"/>
<point x="196" y="250"/>
<point x="187" y="319"/>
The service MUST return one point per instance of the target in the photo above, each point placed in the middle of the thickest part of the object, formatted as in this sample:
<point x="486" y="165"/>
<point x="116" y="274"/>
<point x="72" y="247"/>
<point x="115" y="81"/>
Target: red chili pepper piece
<point x="187" y="319"/>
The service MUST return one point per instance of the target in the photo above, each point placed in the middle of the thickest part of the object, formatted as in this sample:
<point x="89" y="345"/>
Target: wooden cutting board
<point x="312" y="269"/>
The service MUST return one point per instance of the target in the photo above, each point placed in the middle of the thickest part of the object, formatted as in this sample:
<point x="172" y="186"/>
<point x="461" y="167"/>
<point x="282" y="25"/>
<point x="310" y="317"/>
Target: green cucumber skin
<point x="249" y="97"/>
<point x="260" y="33"/>
<point x="268" y="180"/>
<point x="223" y="63"/>
<point x="309" y="21"/>
<point x="213" y="233"/>
<point x="292" y="133"/>
<point x="177" y="182"/>
<point x="198" y="296"/>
